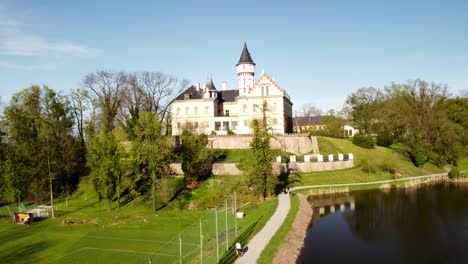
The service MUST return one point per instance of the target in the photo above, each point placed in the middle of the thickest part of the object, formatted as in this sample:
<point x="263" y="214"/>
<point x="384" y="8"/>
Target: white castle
<point x="204" y="110"/>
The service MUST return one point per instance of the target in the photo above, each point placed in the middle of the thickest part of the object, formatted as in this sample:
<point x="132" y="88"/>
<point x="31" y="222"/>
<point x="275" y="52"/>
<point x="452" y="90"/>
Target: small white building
<point x="207" y="109"/>
<point x="350" y="131"/>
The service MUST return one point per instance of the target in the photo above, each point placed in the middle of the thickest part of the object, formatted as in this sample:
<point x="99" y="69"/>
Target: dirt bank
<point x="291" y="248"/>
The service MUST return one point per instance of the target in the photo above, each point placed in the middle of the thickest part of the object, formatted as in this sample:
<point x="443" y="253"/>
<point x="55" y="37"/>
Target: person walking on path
<point x="259" y="241"/>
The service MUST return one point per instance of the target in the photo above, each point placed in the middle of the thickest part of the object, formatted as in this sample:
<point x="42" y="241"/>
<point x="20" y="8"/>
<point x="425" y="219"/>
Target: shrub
<point x="219" y="154"/>
<point x="418" y="156"/>
<point x="454" y="173"/>
<point x="385" y="139"/>
<point x="367" y="168"/>
<point x="389" y="168"/>
<point x="363" y="141"/>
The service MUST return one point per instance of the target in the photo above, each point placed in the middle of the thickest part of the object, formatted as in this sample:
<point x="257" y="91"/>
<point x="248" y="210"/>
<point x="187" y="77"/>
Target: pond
<point x="424" y="225"/>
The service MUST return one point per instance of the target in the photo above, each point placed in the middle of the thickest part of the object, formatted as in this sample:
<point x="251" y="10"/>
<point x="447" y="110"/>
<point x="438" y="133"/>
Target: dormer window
<point x="186" y="96"/>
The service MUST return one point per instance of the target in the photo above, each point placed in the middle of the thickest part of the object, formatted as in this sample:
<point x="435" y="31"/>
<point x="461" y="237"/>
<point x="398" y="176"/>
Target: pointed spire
<point x="245" y="56"/>
<point x="210" y="85"/>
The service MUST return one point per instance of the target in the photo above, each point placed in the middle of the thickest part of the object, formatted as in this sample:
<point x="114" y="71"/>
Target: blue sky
<point x="319" y="51"/>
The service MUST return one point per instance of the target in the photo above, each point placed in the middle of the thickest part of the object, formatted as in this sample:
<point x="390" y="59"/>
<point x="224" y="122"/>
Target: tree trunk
<point x="153" y="195"/>
<point x="109" y="205"/>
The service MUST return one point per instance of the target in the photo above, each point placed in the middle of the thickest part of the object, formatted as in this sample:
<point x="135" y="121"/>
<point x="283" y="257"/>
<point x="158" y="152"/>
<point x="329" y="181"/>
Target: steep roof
<point x="228" y="95"/>
<point x="210" y="85"/>
<point x="245" y="57"/>
<point x="307" y="120"/>
<point x="192" y="92"/>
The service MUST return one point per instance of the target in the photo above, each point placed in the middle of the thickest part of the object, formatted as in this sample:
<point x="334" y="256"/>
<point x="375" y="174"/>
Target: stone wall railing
<point x="225" y="168"/>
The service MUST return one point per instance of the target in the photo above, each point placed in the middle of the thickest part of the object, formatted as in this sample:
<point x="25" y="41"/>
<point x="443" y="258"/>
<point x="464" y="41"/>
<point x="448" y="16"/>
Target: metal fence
<point x="206" y="240"/>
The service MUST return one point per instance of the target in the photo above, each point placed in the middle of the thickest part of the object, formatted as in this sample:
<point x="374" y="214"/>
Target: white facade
<point x="209" y="110"/>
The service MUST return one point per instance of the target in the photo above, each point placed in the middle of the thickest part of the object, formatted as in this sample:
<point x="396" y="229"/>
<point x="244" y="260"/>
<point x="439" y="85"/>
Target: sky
<point x="318" y="51"/>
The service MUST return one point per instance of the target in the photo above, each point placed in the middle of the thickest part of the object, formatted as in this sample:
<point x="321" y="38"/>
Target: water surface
<point x="427" y="225"/>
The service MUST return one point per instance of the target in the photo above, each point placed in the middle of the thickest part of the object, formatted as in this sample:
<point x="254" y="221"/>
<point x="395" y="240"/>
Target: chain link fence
<point x="206" y="240"/>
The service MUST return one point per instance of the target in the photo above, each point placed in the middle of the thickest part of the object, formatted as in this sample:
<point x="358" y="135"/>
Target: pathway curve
<point x="370" y="183"/>
<point x="259" y="241"/>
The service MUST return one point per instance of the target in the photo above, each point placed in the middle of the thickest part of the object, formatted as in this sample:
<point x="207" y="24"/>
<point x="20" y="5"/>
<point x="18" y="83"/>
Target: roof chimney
<point x="197" y="85"/>
<point x="224" y="86"/>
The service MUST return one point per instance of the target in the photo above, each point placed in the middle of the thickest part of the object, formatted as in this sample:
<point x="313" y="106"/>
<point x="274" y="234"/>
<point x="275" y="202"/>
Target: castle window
<point x="227" y="113"/>
<point x="207" y="109"/>
<point x="245" y="122"/>
<point x="244" y="108"/>
<point x="186" y="96"/>
<point x="186" y="110"/>
<point x="195" y="111"/>
<point x="234" y="124"/>
<point x="217" y="126"/>
<point x="263" y="90"/>
<point x="178" y="111"/>
<point x="275" y="107"/>
<point x="267" y="91"/>
<point x="178" y="125"/>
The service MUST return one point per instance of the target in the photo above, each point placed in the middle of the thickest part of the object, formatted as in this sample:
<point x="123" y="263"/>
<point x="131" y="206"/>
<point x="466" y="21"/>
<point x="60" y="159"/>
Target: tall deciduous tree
<point x="196" y="158"/>
<point x="363" y="106"/>
<point x="154" y="151"/>
<point x="259" y="170"/>
<point x="110" y="89"/>
<point x="103" y="160"/>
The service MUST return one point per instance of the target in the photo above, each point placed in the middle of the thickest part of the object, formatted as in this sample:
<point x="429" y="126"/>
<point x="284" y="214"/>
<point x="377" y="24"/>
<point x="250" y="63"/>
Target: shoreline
<point x="293" y="243"/>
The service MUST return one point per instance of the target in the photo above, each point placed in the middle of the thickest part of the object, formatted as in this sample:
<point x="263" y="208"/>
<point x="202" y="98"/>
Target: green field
<point x="128" y="234"/>
<point x="378" y="158"/>
<point x="133" y="233"/>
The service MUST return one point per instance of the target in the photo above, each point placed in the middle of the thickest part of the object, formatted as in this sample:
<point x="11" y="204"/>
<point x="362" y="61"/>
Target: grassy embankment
<point x="381" y="161"/>
<point x="125" y="235"/>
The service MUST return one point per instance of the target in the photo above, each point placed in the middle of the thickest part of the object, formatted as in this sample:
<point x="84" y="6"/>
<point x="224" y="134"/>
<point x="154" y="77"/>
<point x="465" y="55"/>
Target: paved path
<point x="259" y="242"/>
<point x="370" y="183"/>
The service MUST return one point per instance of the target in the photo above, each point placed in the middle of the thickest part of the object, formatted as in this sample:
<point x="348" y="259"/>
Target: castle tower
<point x="245" y="71"/>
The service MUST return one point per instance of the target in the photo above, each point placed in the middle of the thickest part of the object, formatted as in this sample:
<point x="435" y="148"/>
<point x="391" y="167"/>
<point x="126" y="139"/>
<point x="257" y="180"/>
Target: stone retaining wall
<point x="224" y="168"/>
<point x="294" y="143"/>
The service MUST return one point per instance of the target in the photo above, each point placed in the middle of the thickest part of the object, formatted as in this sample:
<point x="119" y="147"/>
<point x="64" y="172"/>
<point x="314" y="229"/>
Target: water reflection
<point x="428" y="225"/>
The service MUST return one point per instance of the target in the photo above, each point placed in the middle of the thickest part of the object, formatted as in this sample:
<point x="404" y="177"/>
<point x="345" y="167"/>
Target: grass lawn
<point x="463" y="164"/>
<point x="125" y="235"/>
<point x="235" y="155"/>
<point x="379" y="158"/>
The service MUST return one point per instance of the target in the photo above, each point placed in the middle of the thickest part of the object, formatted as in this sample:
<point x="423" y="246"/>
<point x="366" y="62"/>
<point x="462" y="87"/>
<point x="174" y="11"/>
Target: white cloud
<point x="15" y="66"/>
<point x="15" y="41"/>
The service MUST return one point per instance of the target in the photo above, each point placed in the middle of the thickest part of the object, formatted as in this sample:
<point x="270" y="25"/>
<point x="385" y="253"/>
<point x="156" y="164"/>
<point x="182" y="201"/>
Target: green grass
<point x="125" y="235"/>
<point x="235" y="155"/>
<point x="270" y="251"/>
<point x="463" y="164"/>
<point x="379" y="158"/>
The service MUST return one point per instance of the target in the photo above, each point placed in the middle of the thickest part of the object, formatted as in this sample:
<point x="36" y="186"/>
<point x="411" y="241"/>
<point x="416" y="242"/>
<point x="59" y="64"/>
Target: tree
<point x="110" y="88"/>
<point x="80" y="103"/>
<point x="153" y="151"/>
<point x="39" y="128"/>
<point x="159" y="90"/>
<point x="418" y="114"/>
<point x="196" y="158"/>
<point x="103" y="160"/>
<point x="363" y="106"/>
<point x="259" y="169"/>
